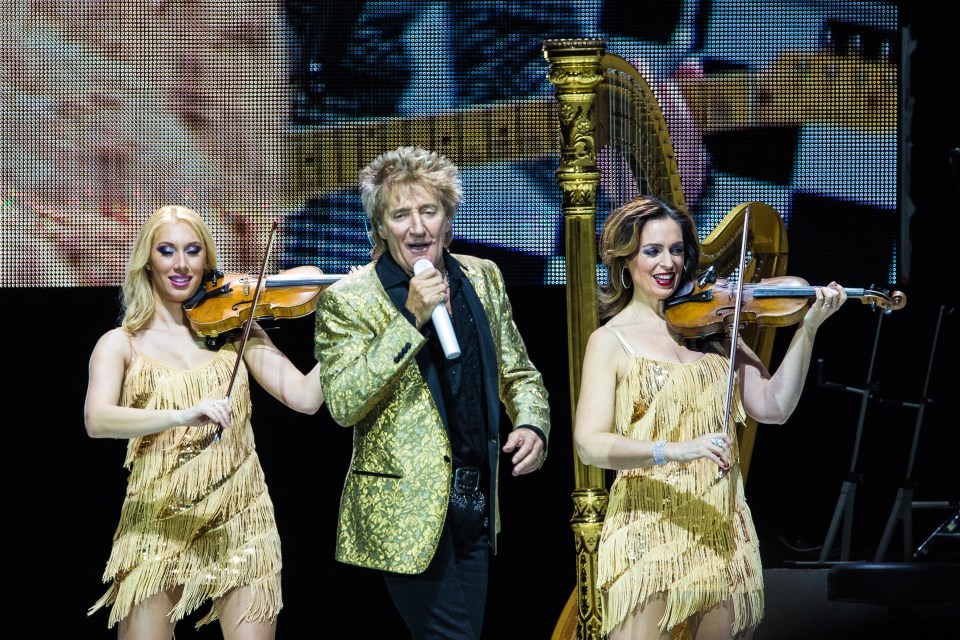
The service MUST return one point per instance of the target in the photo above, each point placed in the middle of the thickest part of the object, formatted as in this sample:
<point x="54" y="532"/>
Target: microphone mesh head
<point x="421" y="265"/>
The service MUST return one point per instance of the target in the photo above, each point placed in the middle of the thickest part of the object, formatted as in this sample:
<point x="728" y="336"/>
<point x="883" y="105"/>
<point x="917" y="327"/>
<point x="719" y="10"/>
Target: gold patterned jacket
<point x="394" y="500"/>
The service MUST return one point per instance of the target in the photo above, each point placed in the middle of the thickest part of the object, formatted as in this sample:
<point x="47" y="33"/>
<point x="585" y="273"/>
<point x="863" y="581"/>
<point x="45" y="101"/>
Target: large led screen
<point x="261" y="111"/>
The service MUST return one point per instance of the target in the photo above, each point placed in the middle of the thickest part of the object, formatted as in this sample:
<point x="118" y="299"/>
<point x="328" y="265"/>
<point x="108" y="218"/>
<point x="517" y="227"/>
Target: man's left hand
<point x="528" y="451"/>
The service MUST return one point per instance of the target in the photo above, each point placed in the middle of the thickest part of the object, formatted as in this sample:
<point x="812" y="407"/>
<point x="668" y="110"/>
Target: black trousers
<point x="447" y="601"/>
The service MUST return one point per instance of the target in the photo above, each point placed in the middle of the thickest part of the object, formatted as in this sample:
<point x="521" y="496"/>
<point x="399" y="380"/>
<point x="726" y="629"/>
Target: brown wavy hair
<point x="620" y="242"/>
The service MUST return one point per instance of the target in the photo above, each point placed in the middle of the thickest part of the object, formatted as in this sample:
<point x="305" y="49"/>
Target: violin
<point x="225" y="300"/>
<point x="707" y="311"/>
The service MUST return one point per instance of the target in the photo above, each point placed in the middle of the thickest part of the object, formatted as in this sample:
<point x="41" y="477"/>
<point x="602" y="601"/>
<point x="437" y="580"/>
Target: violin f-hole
<point x="746" y="319"/>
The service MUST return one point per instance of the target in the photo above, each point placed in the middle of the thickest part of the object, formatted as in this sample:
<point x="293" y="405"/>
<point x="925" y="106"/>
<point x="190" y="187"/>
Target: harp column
<point x="575" y="72"/>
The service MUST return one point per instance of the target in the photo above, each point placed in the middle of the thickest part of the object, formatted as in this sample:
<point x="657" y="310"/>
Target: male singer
<point x="420" y="498"/>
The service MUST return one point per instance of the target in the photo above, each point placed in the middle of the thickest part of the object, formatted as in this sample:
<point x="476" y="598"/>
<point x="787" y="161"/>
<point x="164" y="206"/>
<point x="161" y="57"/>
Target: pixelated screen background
<point x="253" y="112"/>
<point x="264" y="111"/>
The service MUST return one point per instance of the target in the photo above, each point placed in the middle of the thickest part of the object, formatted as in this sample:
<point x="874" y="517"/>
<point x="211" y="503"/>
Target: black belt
<point x="466" y="480"/>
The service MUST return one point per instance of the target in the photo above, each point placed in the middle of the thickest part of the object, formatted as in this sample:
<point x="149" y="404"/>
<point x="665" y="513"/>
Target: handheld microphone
<point x="441" y="319"/>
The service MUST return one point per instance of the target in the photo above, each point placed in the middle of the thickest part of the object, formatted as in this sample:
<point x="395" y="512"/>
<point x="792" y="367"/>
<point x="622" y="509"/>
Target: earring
<point x="622" y="280"/>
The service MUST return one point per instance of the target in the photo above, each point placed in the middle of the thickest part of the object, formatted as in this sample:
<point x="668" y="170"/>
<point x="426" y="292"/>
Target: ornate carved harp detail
<point x="614" y="144"/>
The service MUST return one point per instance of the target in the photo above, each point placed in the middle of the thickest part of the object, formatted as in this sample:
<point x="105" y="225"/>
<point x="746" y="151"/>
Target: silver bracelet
<point x="658" y="452"/>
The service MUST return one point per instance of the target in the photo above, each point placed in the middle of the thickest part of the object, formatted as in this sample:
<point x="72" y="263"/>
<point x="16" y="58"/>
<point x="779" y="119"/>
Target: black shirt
<point x="461" y="379"/>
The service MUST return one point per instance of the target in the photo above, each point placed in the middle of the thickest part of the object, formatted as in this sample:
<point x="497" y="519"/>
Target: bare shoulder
<point x="603" y="360"/>
<point x="114" y="343"/>
<point x="603" y="342"/>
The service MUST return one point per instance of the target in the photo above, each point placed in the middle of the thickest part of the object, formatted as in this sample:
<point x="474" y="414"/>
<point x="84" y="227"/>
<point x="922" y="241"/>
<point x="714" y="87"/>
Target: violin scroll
<point x="884" y="300"/>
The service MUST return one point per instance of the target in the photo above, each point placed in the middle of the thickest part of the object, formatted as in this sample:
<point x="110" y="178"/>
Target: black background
<point x="65" y="489"/>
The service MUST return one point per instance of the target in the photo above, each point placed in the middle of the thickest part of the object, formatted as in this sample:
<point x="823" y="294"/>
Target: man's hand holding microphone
<point x="432" y="290"/>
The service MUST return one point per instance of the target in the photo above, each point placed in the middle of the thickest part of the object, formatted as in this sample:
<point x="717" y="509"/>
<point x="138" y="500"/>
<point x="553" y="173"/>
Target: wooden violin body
<point x="708" y="310"/>
<point x="226" y="300"/>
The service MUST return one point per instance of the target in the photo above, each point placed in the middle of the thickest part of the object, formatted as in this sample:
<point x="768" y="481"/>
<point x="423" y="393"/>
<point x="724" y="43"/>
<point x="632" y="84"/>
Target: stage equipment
<point x="848" y="490"/>
<point x="904" y="504"/>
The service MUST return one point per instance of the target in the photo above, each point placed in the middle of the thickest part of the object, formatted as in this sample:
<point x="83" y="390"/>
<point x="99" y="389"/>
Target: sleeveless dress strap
<point x="133" y="347"/>
<point x="623" y="342"/>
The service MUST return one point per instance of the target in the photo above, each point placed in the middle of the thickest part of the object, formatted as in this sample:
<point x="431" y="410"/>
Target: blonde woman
<point x="197" y="523"/>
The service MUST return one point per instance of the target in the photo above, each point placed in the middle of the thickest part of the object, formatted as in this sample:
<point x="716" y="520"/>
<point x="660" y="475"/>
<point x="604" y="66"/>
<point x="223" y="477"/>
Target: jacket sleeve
<point x="363" y="345"/>
<point x="521" y="385"/>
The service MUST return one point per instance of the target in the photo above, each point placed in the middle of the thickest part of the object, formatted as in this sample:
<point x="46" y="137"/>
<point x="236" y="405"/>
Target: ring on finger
<point x="718" y="441"/>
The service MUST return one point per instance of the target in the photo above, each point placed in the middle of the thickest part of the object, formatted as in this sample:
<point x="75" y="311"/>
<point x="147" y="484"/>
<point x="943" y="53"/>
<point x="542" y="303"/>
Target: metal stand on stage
<point x="905" y="504"/>
<point x="921" y="578"/>
<point x="848" y="490"/>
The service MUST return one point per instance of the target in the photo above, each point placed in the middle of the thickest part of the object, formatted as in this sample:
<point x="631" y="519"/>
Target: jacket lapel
<point x="398" y="295"/>
<point x="488" y="354"/>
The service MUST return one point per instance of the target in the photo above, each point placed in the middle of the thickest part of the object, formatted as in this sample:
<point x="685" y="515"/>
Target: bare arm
<point x="595" y="437"/>
<point x="105" y="418"/>
<point x="593" y="433"/>
<point x="771" y="399"/>
<point x="274" y="371"/>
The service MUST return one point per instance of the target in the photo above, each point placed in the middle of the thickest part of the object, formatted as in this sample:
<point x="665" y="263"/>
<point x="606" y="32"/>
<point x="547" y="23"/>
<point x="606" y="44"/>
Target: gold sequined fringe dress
<point x="196" y="512"/>
<point x="678" y="528"/>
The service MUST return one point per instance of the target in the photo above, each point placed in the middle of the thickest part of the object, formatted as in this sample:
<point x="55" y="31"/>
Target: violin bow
<point x="735" y="331"/>
<point x="249" y="322"/>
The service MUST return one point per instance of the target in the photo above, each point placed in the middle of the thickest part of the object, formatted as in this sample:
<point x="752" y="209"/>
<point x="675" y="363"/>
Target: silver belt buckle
<point x="466" y="480"/>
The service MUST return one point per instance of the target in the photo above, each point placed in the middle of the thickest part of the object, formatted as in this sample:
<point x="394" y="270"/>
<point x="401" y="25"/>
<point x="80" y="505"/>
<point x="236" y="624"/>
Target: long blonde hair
<point x="620" y="242"/>
<point x="137" y="289"/>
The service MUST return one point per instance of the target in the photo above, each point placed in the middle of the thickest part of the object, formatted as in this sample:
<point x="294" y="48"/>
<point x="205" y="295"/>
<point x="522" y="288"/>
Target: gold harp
<point x="604" y="105"/>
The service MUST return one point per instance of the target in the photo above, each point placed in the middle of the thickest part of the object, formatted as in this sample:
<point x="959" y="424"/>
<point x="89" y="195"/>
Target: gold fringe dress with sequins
<point x="679" y="528"/>
<point x="196" y="513"/>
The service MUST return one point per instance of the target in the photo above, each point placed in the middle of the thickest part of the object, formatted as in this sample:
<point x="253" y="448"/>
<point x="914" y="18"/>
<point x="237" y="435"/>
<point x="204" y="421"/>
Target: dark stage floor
<point x="798" y="608"/>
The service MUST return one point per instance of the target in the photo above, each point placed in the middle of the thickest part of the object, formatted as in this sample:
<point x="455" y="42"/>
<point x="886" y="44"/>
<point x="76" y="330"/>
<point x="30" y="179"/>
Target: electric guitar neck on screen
<point x="798" y="88"/>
